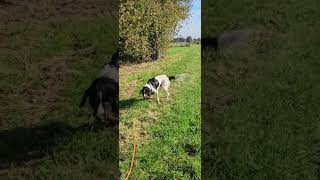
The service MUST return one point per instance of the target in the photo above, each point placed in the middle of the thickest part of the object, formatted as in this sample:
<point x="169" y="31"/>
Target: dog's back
<point x="110" y="71"/>
<point x="162" y="78"/>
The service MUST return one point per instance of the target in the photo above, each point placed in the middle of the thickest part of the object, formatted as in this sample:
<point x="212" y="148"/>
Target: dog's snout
<point x="146" y="96"/>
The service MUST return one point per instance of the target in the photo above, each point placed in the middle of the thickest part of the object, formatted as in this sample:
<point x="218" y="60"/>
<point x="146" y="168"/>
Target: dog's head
<point x="146" y="92"/>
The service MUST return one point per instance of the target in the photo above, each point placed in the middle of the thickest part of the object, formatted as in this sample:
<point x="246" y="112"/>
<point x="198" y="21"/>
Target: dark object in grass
<point x="227" y="39"/>
<point x="28" y="146"/>
<point x="103" y="98"/>
<point x="209" y="42"/>
<point x="6" y="3"/>
<point x="103" y="93"/>
<point x="190" y="149"/>
<point x="127" y="103"/>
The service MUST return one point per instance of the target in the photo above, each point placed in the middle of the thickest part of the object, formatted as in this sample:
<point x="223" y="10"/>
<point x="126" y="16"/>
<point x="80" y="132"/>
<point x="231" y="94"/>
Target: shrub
<point x="147" y="27"/>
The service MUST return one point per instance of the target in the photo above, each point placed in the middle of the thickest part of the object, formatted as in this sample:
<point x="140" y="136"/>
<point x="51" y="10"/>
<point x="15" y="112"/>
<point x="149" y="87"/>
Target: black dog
<point x="103" y="93"/>
<point x="227" y="39"/>
<point x="103" y="97"/>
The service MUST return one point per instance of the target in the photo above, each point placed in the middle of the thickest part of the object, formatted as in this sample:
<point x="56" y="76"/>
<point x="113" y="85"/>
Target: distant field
<point x="182" y="44"/>
<point x="179" y="44"/>
<point x="168" y="140"/>
<point x="262" y="102"/>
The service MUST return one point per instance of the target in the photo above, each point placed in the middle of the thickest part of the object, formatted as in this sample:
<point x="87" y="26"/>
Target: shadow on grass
<point x="129" y="102"/>
<point x="25" y="146"/>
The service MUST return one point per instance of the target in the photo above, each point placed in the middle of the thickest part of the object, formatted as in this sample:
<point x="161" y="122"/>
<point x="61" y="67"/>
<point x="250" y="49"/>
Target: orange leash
<point x="134" y="151"/>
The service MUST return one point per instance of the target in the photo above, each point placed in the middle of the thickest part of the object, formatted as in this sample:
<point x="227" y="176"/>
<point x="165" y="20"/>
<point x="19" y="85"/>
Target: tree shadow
<point x="127" y="103"/>
<point x="21" y="146"/>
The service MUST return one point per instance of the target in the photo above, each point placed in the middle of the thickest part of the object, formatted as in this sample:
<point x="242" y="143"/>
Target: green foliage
<point x="189" y="39"/>
<point x="147" y="26"/>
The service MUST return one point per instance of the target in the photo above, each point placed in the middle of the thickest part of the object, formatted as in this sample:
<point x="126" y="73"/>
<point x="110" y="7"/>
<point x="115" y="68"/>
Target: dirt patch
<point x="220" y="71"/>
<point x="39" y="96"/>
<point x="227" y="100"/>
<point x="13" y="12"/>
<point x="152" y="114"/>
<point x="53" y="74"/>
<point x="20" y="24"/>
<point x="6" y="70"/>
<point x="221" y="101"/>
<point x="139" y="67"/>
<point x="130" y="89"/>
<point x="190" y="149"/>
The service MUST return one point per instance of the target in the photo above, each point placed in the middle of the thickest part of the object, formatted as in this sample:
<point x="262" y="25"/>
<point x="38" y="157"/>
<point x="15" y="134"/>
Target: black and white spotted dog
<point x="153" y="85"/>
<point x="103" y="92"/>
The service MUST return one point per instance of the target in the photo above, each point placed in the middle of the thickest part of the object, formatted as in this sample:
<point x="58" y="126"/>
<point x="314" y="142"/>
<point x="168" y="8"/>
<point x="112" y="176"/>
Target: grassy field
<point x="47" y="61"/>
<point x="262" y="102"/>
<point x="168" y="135"/>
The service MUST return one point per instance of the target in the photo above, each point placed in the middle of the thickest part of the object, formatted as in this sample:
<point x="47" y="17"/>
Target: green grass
<point x="261" y="103"/>
<point x="168" y="135"/>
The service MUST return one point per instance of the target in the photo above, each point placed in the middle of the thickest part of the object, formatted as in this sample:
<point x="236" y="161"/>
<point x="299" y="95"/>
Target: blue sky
<point x="192" y="25"/>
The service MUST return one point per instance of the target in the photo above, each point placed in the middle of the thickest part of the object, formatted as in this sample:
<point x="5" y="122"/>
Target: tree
<point x="179" y="39"/>
<point x="147" y="27"/>
<point x="189" y="39"/>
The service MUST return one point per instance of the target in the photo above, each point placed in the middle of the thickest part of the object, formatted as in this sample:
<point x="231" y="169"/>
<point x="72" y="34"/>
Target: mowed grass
<point x="262" y="102"/>
<point x="168" y="135"/>
<point x="43" y="133"/>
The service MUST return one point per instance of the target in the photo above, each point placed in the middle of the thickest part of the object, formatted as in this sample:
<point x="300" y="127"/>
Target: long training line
<point x="134" y="151"/>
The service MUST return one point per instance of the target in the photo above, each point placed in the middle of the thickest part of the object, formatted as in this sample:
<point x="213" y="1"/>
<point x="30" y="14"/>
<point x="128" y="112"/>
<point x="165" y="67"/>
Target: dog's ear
<point x="141" y="92"/>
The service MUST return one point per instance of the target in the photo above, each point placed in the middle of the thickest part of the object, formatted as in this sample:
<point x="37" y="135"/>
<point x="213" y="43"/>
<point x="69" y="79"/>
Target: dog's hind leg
<point x="166" y="88"/>
<point x="107" y="110"/>
<point x="157" y="92"/>
<point x="168" y="94"/>
<point x="99" y="109"/>
<point x="167" y="91"/>
<point x="158" y="97"/>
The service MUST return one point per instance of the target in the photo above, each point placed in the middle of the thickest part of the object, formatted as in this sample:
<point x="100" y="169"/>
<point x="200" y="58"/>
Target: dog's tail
<point x="172" y="78"/>
<point x="84" y="98"/>
<point x="179" y="76"/>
